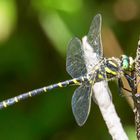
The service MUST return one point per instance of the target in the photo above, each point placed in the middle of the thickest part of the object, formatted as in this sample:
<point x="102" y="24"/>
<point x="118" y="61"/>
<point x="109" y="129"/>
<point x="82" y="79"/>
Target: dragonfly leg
<point x="121" y="86"/>
<point x="130" y="80"/>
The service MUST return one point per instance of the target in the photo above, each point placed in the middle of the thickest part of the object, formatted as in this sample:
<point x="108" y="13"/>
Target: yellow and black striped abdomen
<point x="11" y="101"/>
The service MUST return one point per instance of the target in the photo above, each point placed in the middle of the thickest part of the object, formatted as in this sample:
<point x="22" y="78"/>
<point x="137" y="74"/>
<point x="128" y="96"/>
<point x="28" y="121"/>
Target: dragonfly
<point x="85" y="73"/>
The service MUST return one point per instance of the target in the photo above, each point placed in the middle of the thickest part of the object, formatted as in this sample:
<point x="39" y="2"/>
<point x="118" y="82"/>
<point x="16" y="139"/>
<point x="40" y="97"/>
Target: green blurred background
<point x="33" y="41"/>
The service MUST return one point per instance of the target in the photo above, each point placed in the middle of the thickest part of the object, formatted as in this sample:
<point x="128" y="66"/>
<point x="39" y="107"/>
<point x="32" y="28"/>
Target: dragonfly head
<point x="127" y="63"/>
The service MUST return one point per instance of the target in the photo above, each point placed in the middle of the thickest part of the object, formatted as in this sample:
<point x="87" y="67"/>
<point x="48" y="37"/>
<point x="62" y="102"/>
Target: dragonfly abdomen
<point x="11" y="101"/>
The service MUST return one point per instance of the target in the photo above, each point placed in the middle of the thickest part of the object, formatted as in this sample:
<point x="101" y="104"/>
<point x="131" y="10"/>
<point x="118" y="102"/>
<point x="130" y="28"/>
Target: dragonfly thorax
<point x="107" y="69"/>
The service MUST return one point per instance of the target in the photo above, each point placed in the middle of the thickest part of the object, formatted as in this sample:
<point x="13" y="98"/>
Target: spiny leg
<point x="121" y="86"/>
<point x="130" y="80"/>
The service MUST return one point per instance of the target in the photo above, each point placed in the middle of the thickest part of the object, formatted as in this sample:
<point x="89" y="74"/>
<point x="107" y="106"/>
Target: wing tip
<point x="78" y="121"/>
<point x="98" y="17"/>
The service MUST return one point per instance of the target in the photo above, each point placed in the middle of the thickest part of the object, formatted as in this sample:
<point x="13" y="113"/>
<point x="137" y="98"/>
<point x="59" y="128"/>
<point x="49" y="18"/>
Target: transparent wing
<point x="75" y="63"/>
<point x="94" y="36"/>
<point x="81" y="103"/>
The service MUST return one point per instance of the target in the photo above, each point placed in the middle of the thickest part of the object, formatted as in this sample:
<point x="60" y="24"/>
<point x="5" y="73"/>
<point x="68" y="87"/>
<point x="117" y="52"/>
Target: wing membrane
<point x="75" y="63"/>
<point x="81" y="103"/>
<point x="94" y="35"/>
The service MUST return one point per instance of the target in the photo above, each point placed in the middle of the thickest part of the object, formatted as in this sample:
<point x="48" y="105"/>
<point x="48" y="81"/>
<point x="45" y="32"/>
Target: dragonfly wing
<point x="94" y="36"/>
<point x="92" y="44"/>
<point x="75" y="63"/>
<point x="81" y="103"/>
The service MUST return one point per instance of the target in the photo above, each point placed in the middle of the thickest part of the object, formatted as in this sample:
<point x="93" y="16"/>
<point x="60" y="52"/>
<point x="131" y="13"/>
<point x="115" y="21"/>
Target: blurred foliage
<point x="33" y="41"/>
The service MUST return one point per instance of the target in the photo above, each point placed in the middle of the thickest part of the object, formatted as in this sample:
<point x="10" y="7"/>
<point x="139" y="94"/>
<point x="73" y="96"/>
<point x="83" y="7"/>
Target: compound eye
<point x="125" y="65"/>
<point x="125" y="62"/>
